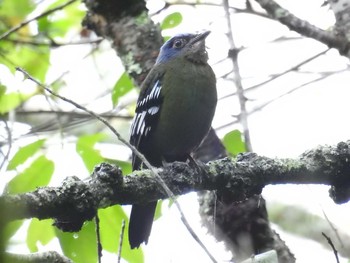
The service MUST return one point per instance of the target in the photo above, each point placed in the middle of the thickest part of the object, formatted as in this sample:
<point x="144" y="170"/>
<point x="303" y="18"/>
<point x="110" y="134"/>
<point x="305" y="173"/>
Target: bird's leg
<point x="199" y="167"/>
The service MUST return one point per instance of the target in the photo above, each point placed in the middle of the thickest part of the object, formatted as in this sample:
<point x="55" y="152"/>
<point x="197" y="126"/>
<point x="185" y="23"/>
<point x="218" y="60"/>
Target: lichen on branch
<point x="240" y="178"/>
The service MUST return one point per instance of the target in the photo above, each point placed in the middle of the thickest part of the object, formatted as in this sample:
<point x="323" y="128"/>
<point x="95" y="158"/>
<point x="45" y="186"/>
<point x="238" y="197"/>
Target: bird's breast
<point x="188" y="108"/>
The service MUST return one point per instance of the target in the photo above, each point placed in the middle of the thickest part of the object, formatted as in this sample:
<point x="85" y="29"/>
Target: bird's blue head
<point x="189" y="46"/>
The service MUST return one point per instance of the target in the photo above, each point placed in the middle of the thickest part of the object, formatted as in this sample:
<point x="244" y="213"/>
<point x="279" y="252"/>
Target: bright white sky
<point x="314" y="115"/>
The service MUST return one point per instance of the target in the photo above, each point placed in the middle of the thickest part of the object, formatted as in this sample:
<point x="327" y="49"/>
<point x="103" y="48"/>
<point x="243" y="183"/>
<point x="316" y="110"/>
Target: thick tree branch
<point x="329" y="38"/>
<point x="76" y="201"/>
<point x="341" y="11"/>
<point x="44" y="257"/>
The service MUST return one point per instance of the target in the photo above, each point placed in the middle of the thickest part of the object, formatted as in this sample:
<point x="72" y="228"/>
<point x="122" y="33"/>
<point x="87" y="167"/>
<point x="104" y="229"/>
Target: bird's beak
<point x="195" y="49"/>
<point x="200" y="37"/>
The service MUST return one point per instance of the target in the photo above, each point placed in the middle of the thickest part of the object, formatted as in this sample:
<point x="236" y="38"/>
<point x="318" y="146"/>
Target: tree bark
<point x="240" y="179"/>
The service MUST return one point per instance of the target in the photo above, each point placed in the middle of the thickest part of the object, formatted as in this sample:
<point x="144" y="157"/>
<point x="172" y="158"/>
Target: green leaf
<point x="58" y="24"/>
<point x="44" y="24"/>
<point x="85" y="148"/>
<point x="158" y="212"/>
<point x="171" y="20"/>
<point x="10" y="101"/>
<point x="166" y="38"/>
<point x="81" y="246"/>
<point x="2" y="90"/>
<point x="37" y="174"/>
<point x="234" y="143"/>
<point x="33" y="59"/>
<point x="11" y="228"/>
<point x="111" y="220"/>
<point x="123" y="86"/>
<point x="110" y="227"/>
<point x="125" y="166"/>
<point x="10" y="9"/>
<point x="24" y="153"/>
<point x="41" y="231"/>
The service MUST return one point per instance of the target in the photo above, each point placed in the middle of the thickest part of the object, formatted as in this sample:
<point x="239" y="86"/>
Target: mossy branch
<point x="76" y="201"/>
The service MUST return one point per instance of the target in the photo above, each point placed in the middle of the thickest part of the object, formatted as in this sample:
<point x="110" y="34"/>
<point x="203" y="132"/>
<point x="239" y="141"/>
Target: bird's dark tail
<point x="140" y="224"/>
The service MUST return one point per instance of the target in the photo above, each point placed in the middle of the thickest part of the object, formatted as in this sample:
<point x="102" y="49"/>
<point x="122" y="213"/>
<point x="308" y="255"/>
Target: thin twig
<point x="53" y="124"/>
<point x="246" y="10"/>
<point x="153" y="169"/>
<point x="75" y="104"/>
<point x="51" y="42"/>
<point x="214" y="212"/>
<point x="335" y="230"/>
<point x="24" y="23"/>
<point x="121" y="241"/>
<point x="233" y="54"/>
<point x="260" y="107"/>
<point x="329" y="240"/>
<point x="278" y="75"/>
<point x="9" y="139"/>
<point x="330" y="223"/>
<point x="98" y="238"/>
<point x="324" y="76"/>
<point x="75" y="114"/>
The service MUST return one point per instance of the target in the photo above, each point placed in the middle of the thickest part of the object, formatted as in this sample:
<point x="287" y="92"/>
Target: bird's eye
<point x="178" y="43"/>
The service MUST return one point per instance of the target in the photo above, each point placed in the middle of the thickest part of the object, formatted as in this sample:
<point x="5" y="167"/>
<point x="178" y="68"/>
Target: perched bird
<point x="174" y="112"/>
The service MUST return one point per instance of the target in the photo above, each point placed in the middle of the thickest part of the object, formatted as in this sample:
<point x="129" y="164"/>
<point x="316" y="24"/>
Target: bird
<point x="174" y="112"/>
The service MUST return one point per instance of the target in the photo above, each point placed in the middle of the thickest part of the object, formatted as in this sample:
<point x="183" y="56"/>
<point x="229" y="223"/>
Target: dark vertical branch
<point x="135" y="37"/>
<point x="244" y="226"/>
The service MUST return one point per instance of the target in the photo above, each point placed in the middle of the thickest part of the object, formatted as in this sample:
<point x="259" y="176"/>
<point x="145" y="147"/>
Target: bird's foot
<point x="199" y="166"/>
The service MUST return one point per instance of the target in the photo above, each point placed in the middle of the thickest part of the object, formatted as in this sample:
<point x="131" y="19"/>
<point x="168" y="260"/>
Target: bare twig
<point x="331" y="225"/>
<point x="246" y="10"/>
<point x="54" y="124"/>
<point x="75" y="114"/>
<point x="51" y="42"/>
<point x="329" y="240"/>
<point x="260" y="107"/>
<point x="24" y="23"/>
<point x="278" y="75"/>
<point x="121" y="241"/>
<point x="9" y="139"/>
<point x="233" y="54"/>
<point x="93" y="114"/>
<point x="153" y="169"/>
